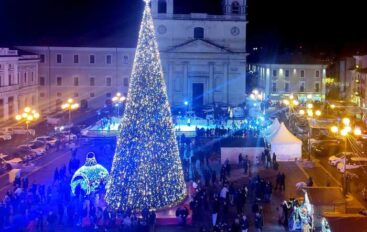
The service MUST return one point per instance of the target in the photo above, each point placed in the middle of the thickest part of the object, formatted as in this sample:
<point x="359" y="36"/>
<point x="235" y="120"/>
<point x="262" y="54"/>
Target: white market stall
<point x="271" y="130"/>
<point x="286" y="146"/>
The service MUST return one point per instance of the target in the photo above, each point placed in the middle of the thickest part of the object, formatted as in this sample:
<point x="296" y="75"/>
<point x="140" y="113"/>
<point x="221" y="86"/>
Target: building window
<point x="32" y="76"/>
<point x="59" y="81"/>
<point x="235" y="7"/>
<point x="76" y="94"/>
<point x="302" y="87"/>
<point x="302" y="73"/>
<point x="199" y="33"/>
<point x="59" y="58"/>
<point x="275" y="73"/>
<point x="42" y="58"/>
<point x="92" y="81"/>
<point x="126" y="82"/>
<point x="162" y="7"/>
<point x="76" y="59"/>
<point x="126" y="60"/>
<point x="317" y="87"/>
<point x="91" y="94"/>
<point x="91" y="59"/>
<point x="76" y="81"/>
<point x="108" y="94"/>
<point x="274" y="87"/>
<point x="42" y="81"/>
<point x="42" y="95"/>
<point x="109" y="59"/>
<point x="108" y="81"/>
<point x="286" y="73"/>
<point x="317" y="73"/>
<point x="286" y="87"/>
<point x="10" y="82"/>
<point x="59" y="94"/>
<point x="25" y="78"/>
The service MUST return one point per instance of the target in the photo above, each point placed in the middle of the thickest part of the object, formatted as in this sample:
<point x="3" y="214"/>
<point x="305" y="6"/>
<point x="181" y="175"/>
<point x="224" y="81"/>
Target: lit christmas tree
<point x="146" y="170"/>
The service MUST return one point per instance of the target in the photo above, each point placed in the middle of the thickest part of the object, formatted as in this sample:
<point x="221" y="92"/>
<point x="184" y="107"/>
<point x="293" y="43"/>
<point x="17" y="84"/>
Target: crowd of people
<point x="38" y="207"/>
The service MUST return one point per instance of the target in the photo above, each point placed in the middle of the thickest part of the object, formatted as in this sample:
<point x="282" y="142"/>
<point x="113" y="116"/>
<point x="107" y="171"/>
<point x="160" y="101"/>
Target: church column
<point x="170" y="82"/>
<point x="6" y="74"/>
<point x="186" y="81"/>
<point x="211" y="89"/>
<point x="226" y="79"/>
<point x="15" y="78"/>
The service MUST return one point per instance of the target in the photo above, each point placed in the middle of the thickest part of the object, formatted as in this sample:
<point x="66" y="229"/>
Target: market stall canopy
<point x="339" y="222"/>
<point x="272" y="129"/>
<point x="283" y="135"/>
<point x="321" y="196"/>
<point x="285" y="145"/>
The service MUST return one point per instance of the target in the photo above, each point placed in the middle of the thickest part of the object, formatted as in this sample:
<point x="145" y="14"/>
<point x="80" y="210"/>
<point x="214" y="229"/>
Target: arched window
<point x="199" y="33"/>
<point x="162" y="6"/>
<point x="236" y="8"/>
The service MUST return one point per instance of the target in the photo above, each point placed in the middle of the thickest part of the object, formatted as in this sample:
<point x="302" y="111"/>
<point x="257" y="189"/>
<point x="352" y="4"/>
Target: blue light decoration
<point x="89" y="176"/>
<point x="146" y="170"/>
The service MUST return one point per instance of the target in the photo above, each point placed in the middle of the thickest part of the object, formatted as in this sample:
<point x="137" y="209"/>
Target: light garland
<point x="146" y="170"/>
<point x="89" y="176"/>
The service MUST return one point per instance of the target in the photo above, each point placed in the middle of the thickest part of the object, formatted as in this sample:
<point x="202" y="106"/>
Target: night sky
<point x="276" y="26"/>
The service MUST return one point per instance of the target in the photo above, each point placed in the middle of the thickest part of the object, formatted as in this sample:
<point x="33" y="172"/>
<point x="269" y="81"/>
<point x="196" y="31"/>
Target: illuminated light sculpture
<point x="89" y="176"/>
<point x="146" y="170"/>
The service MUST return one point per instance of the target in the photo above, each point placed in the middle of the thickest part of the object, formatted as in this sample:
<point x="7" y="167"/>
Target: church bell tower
<point x="234" y="7"/>
<point x="162" y="7"/>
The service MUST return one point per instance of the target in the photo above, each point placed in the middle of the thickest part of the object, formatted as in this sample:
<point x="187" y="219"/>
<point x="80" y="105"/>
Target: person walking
<point x="278" y="180"/>
<point x="258" y="222"/>
<point x="244" y="223"/>
<point x="282" y="182"/>
<point x="240" y="159"/>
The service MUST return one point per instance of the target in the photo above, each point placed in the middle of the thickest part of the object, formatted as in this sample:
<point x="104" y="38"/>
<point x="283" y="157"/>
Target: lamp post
<point x="291" y="103"/>
<point x="118" y="99"/>
<point x="70" y="105"/>
<point x="310" y="113"/>
<point x="345" y="130"/>
<point x="27" y="115"/>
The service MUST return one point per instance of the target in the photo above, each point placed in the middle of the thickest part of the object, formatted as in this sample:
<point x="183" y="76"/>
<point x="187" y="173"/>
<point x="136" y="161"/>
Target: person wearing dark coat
<point x="244" y="223"/>
<point x="258" y="222"/>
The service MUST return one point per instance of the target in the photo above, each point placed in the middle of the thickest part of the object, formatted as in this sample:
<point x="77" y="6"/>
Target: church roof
<point x="200" y="44"/>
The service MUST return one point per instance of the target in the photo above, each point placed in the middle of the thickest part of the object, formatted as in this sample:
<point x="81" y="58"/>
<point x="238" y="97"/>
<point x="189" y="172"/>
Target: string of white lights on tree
<point x="146" y="170"/>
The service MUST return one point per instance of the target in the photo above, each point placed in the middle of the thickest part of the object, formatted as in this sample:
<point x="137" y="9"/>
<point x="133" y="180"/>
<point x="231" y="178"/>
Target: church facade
<point x="203" y="58"/>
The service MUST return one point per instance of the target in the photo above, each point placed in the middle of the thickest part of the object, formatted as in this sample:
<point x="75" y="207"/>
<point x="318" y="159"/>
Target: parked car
<point x="19" y="131"/>
<point x="49" y="140"/>
<point x="4" y="167"/>
<point x="352" y="163"/>
<point x="56" y="119"/>
<point x="335" y="159"/>
<point x="66" y="136"/>
<point x="4" y="136"/>
<point x="38" y="147"/>
<point x="326" y="148"/>
<point x="11" y="162"/>
<point x="25" y="152"/>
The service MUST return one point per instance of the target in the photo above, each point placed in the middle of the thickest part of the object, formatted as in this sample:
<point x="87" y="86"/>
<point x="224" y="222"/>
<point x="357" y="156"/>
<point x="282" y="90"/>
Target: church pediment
<point x="198" y="46"/>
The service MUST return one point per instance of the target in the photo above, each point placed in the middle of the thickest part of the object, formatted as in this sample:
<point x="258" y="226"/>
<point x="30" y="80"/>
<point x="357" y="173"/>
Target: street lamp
<point x="28" y="115"/>
<point x="70" y="105"/>
<point x="345" y="131"/>
<point x="118" y="99"/>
